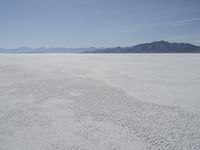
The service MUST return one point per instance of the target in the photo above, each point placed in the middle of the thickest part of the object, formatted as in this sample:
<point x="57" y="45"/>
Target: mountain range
<point x="154" y="47"/>
<point x="47" y="50"/>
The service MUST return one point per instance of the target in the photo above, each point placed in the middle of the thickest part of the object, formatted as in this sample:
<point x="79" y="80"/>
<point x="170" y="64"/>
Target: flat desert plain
<point x="99" y="102"/>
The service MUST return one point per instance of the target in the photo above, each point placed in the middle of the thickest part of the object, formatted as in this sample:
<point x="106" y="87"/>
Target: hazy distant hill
<point x="154" y="47"/>
<point x="46" y="50"/>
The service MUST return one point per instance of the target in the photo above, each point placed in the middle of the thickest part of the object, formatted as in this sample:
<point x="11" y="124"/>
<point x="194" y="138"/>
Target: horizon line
<point x="43" y="47"/>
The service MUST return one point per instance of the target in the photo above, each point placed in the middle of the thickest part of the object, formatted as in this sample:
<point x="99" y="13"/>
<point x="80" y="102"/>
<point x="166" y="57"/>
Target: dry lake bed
<point x="99" y="102"/>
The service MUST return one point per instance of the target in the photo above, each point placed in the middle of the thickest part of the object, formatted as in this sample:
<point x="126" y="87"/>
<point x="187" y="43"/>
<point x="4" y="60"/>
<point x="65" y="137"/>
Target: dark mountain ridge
<point x="154" y="47"/>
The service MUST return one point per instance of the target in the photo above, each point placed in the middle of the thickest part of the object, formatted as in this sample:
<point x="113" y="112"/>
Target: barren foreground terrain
<point x="99" y="101"/>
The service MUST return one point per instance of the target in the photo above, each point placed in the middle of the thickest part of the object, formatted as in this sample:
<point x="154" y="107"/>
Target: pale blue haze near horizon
<point x="97" y="23"/>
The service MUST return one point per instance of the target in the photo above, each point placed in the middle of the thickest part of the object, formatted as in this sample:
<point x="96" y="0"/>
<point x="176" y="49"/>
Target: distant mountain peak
<point x="161" y="41"/>
<point x="154" y="47"/>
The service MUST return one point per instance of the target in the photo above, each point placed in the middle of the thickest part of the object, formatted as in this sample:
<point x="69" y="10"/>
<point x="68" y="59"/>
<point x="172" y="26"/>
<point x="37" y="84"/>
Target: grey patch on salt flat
<point x="58" y="112"/>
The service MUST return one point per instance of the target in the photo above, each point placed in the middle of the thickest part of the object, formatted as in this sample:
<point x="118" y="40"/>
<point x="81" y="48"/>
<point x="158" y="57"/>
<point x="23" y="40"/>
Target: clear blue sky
<point x="99" y="23"/>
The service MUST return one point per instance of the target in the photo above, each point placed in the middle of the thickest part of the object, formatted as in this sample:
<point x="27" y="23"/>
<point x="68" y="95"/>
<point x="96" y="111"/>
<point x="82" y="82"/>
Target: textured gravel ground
<point x="99" y="102"/>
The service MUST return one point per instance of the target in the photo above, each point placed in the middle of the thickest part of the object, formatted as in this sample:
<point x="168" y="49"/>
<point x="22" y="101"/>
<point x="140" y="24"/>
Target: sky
<point x="97" y="23"/>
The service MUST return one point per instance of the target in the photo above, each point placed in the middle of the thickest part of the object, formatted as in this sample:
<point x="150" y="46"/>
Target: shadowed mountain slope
<point x="154" y="47"/>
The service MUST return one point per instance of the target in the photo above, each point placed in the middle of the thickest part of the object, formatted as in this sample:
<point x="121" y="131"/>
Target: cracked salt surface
<point x="70" y="102"/>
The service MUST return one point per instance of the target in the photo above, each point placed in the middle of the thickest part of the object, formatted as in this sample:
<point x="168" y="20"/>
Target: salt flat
<point x="99" y="101"/>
